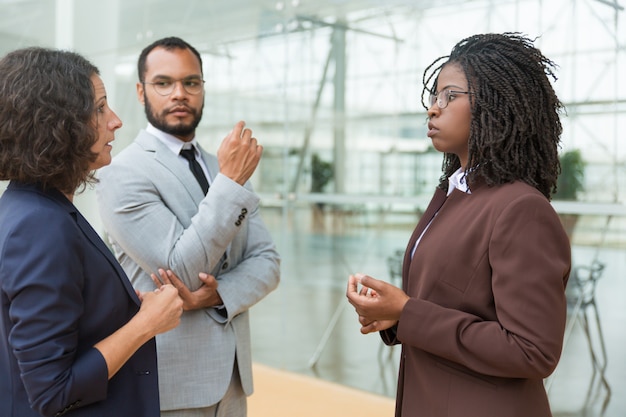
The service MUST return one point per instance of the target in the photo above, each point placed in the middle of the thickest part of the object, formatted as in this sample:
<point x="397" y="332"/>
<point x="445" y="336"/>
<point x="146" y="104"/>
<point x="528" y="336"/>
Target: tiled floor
<point x="306" y="325"/>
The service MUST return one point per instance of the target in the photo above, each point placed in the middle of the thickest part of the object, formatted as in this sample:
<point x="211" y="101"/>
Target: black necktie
<point x="196" y="169"/>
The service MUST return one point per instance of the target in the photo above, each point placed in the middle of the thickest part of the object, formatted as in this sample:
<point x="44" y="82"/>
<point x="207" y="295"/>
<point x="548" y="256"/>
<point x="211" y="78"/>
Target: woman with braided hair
<point x="482" y="309"/>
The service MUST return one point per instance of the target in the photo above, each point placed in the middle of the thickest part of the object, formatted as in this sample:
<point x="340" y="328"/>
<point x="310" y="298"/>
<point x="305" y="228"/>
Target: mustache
<point x="179" y="107"/>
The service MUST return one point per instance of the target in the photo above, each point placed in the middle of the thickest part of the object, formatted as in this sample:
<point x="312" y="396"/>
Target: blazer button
<point x="238" y="223"/>
<point x="225" y="265"/>
<point x="244" y="211"/>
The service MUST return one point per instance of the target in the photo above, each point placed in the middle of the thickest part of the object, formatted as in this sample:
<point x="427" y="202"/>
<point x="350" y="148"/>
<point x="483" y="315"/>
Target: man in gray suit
<point x="158" y="216"/>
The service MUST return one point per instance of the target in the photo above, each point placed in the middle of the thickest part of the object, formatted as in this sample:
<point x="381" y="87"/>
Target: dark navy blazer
<point x="62" y="291"/>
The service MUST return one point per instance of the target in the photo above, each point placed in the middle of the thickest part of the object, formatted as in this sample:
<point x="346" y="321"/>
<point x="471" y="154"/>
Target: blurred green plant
<point x="571" y="181"/>
<point x="321" y="173"/>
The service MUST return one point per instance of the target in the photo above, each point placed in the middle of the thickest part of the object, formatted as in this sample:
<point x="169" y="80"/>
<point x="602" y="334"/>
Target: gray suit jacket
<point x="156" y="215"/>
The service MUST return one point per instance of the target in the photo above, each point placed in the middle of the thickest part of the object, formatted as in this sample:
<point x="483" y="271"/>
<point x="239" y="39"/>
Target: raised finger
<point x="237" y="130"/>
<point x="246" y="135"/>
<point x="352" y="285"/>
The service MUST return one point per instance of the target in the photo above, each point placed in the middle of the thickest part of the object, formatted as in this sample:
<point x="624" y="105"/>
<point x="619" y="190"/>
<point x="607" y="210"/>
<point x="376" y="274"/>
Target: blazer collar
<point x="171" y="162"/>
<point x="51" y="193"/>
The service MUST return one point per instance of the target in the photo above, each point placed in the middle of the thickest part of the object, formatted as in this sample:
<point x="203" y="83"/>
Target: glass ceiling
<point x="342" y="78"/>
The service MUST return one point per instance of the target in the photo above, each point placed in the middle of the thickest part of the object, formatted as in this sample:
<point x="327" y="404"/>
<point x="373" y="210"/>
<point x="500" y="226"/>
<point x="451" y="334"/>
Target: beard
<point x="177" y="129"/>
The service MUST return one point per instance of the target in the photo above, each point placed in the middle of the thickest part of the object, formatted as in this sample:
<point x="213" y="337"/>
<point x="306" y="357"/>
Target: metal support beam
<point x="339" y="107"/>
<point x="308" y="130"/>
<point x="613" y="4"/>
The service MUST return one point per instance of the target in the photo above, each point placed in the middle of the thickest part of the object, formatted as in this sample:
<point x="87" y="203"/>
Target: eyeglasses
<point x="443" y="97"/>
<point x="165" y="86"/>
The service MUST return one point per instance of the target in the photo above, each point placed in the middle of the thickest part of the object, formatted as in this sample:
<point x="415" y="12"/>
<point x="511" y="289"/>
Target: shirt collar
<point x="458" y="181"/>
<point x="172" y="142"/>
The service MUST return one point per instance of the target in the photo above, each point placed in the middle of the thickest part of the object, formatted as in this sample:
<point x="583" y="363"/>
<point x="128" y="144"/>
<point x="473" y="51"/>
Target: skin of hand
<point x="378" y="303"/>
<point x="204" y="297"/>
<point x="239" y="154"/>
<point x="163" y="307"/>
<point x="160" y="311"/>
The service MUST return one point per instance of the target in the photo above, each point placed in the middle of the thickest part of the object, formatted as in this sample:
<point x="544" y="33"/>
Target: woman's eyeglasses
<point x="443" y="97"/>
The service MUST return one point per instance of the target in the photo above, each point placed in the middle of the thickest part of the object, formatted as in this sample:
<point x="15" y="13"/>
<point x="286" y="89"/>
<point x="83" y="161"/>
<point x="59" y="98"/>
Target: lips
<point x="432" y="129"/>
<point x="179" y="110"/>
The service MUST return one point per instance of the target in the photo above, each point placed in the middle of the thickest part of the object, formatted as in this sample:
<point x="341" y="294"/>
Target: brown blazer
<point x="485" y="322"/>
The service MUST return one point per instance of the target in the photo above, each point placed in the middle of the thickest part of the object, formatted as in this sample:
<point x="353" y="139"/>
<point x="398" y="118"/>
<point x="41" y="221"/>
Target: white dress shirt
<point x="455" y="181"/>
<point x="176" y="145"/>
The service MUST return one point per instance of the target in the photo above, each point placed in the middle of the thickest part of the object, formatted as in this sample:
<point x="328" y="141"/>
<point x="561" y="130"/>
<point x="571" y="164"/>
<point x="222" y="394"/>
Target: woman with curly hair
<point x="76" y="338"/>
<point x="482" y="309"/>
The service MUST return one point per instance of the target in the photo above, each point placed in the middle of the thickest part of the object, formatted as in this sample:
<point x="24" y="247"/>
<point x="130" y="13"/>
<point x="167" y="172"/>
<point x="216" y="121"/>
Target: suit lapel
<point x="171" y="162"/>
<point x="91" y="234"/>
<point x="437" y="201"/>
<point x="87" y="230"/>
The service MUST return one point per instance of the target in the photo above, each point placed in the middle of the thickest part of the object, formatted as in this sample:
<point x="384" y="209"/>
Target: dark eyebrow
<point x="167" y="77"/>
<point x="452" y="87"/>
<point x="162" y="77"/>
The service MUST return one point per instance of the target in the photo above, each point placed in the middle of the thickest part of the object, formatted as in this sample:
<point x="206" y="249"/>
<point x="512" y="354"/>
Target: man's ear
<point x="140" y="93"/>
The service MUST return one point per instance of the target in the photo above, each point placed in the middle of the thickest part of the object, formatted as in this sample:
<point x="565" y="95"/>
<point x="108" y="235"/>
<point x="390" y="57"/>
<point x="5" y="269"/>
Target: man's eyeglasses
<point x="165" y="86"/>
<point x="443" y="97"/>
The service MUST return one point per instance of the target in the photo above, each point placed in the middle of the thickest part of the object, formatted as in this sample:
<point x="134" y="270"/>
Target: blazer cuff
<point x="217" y="314"/>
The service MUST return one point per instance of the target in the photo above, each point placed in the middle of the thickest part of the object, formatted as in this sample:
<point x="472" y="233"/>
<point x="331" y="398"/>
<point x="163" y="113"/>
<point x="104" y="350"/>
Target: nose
<point x="433" y="110"/>
<point x="179" y="90"/>
<point x="115" y="122"/>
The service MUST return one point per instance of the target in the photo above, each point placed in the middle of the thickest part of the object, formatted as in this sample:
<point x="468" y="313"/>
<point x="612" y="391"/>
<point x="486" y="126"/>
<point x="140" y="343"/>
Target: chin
<point x="101" y="162"/>
<point x="439" y="148"/>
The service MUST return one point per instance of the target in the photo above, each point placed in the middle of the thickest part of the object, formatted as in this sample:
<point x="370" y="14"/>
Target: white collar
<point x="458" y="181"/>
<point x="172" y="142"/>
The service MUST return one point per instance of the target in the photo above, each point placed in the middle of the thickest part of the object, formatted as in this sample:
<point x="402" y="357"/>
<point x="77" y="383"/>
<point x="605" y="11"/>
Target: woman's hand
<point x="378" y="303"/>
<point x="163" y="308"/>
<point x="160" y="311"/>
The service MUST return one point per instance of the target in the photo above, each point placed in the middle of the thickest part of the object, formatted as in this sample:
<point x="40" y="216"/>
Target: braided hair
<point x="515" y="126"/>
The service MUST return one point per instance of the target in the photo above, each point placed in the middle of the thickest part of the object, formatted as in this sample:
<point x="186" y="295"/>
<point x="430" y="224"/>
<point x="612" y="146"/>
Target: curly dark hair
<point x="169" y="44"/>
<point x="47" y="118"/>
<point x="515" y="126"/>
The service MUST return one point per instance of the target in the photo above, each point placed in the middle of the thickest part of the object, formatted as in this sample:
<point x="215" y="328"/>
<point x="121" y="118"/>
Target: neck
<point x="186" y="138"/>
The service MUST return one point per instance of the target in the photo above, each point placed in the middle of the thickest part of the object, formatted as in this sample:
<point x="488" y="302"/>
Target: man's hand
<point x="239" y="154"/>
<point x="204" y="297"/>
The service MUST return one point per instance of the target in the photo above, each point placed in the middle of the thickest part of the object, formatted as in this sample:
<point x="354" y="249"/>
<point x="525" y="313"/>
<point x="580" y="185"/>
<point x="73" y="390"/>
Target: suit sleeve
<point x="141" y="208"/>
<point x="529" y="256"/>
<point x="256" y="273"/>
<point x="43" y="281"/>
<point x="390" y="336"/>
